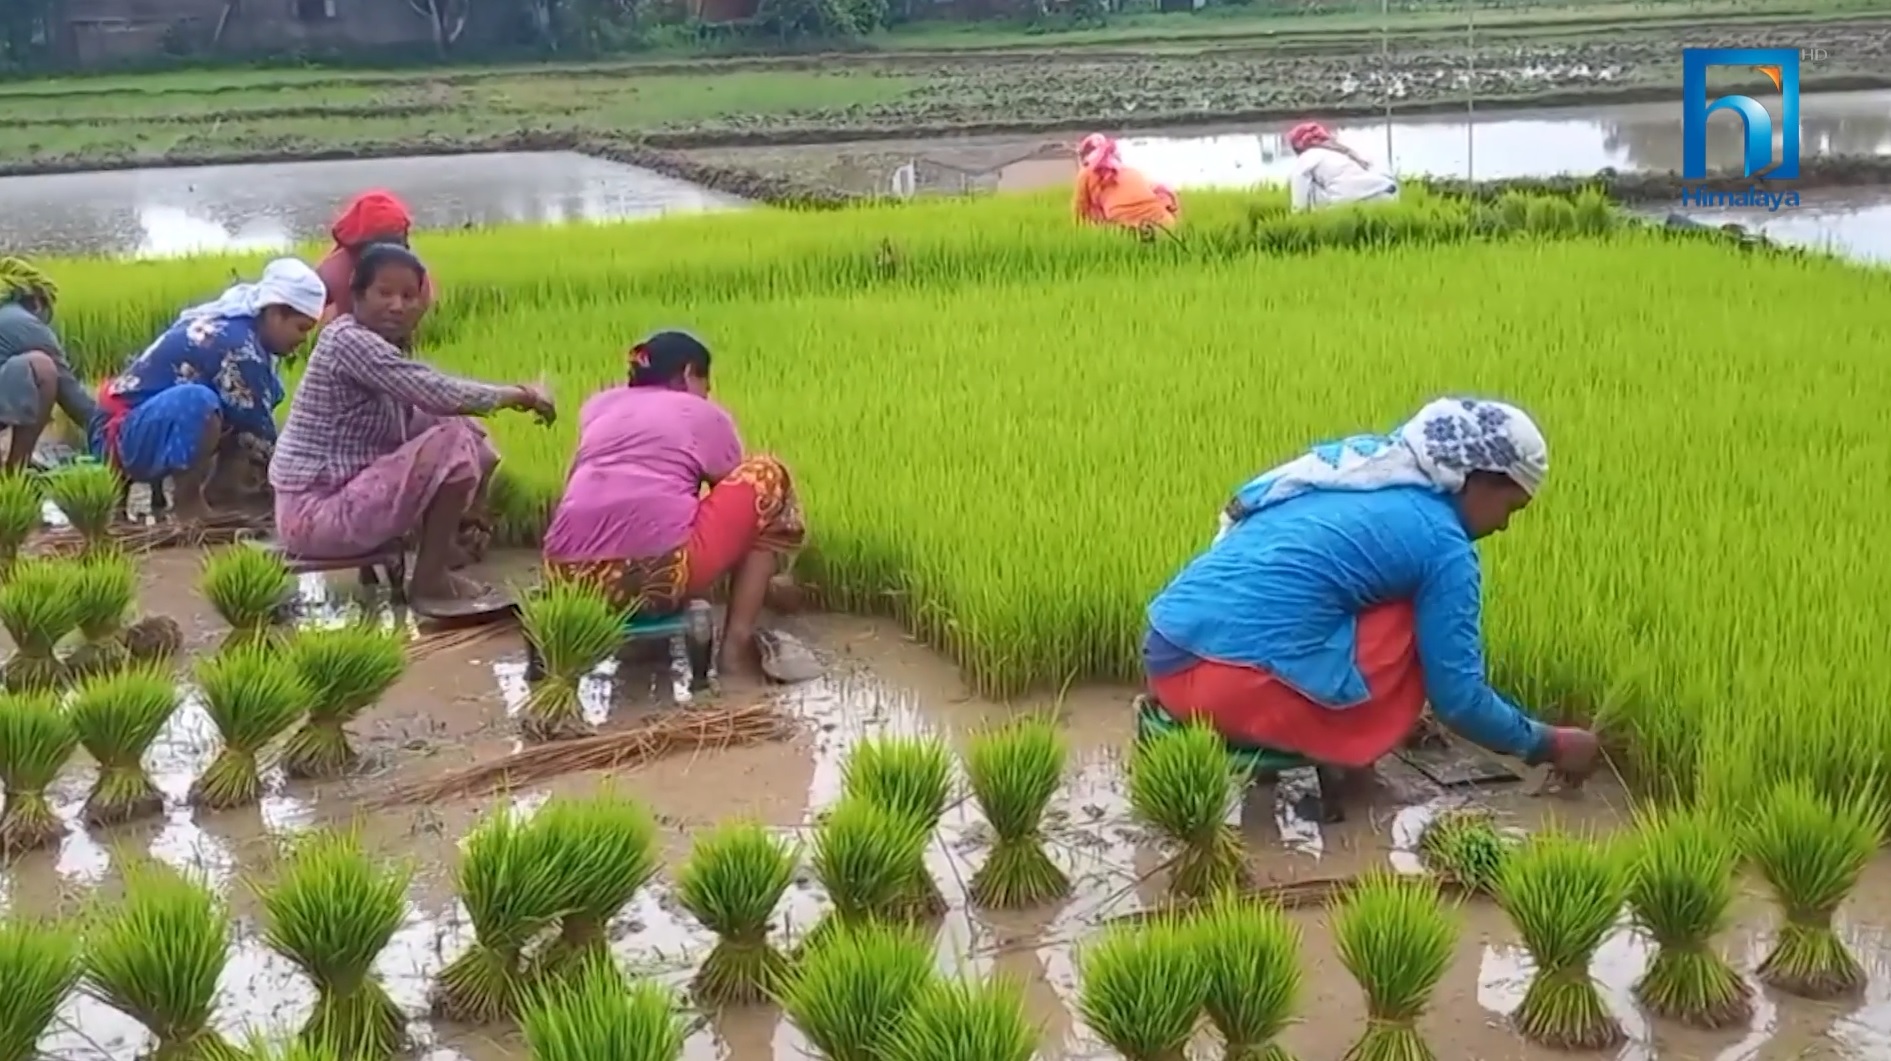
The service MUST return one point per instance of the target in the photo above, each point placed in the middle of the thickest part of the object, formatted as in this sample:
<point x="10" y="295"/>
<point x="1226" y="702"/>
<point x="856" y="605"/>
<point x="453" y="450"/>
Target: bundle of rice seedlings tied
<point x="848" y="995"/>
<point x="1811" y="850"/>
<point x="1682" y="883"/>
<point x="155" y="954"/>
<point x="1141" y="988"/>
<point x="1014" y="770"/>
<point x="258" y="1048"/>
<point x="508" y="881"/>
<point x="1563" y="893"/>
<point x="1464" y="845"/>
<point x="574" y="628"/>
<point x="88" y="496"/>
<point x="965" y="1020"/>
<point x="734" y="878"/>
<point x="591" y="1014"/>
<point x="346" y="669"/>
<point x="104" y="588"/>
<point x="603" y="848"/>
<point x="38" y="609"/>
<point x="21" y="514"/>
<point x="1182" y="784"/>
<point x="36" y="742"/>
<point x="1395" y="936"/>
<point x="863" y="855"/>
<point x="911" y="777"/>
<point x="39" y="964"/>
<point x="117" y="718"/>
<point x="248" y="587"/>
<point x="253" y="695"/>
<point x="1253" y="955"/>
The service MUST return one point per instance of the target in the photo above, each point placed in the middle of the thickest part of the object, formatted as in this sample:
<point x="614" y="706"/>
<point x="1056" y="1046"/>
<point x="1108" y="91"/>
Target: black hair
<point x="664" y="357"/>
<point x="377" y="256"/>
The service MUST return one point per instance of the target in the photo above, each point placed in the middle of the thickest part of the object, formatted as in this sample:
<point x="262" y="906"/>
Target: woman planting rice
<point x="636" y="521"/>
<point x="1343" y="592"/>
<point x="379" y="446"/>
<point x="1110" y="193"/>
<point x="205" y="392"/>
<point x="371" y="218"/>
<point x="34" y="372"/>
<point x="1328" y="173"/>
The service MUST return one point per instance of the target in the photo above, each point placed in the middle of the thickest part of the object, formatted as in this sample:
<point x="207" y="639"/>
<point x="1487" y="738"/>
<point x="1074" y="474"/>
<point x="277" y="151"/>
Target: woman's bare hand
<point x="534" y="398"/>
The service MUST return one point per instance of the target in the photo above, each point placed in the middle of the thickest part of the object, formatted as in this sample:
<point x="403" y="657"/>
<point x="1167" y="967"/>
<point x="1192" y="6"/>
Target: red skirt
<point x="1251" y="707"/>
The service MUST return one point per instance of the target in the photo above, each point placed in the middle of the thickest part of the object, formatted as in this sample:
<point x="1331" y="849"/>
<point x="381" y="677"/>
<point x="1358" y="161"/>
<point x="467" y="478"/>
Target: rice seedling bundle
<point x="848" y="995"/>
<point x="117" y="718"/>
<point x="603" y="848"/>
<point x="1183" y="784"/>
<point x="36" y="742"/>
<point x="331" y="910"/>
<point x="1395" y="936"/>
<point x="248" y="587"/>
<point x="735" y="876"/>
<point x="1682" y="885"/>
<point x="39" y="964"/>
<point x="88" y="495"/>
<point x="863" y="855"/>
<point x="346" y="669"/>
<point x="1014" y="770"/>
<point x="1811" y="850"/>
<point x="155" y="954"/>
<point x="575" y="628"/>
<point x="1252" y="951"/>
<point x="1141" y="988"/>
<point x="1464" y="845"/>
<point x="965" y="1020"/>
<point x="37" y="608"/>
<point x="260" y="1049"/>
<point x="508" y="880"/>
<point x="911" y="777"/>
<point x="104" y="585"/>
<point x="252" y="694"/>
<point x="21" y="513"/>
<point x="591" y="1015"/>
<point x="1563" y="893"/>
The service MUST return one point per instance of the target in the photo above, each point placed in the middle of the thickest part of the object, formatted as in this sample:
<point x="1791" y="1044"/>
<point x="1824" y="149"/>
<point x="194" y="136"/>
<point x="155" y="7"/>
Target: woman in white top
<point x="1328" y="173"/>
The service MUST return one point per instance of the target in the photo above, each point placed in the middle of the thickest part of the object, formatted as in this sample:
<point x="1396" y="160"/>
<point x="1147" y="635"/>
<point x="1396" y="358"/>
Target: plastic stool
<point x="388" y="562"/>
<point x="646" y="628"/>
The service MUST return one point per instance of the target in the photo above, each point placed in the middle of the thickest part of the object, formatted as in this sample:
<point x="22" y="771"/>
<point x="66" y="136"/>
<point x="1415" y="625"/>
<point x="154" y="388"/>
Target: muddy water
<point x="269" y="207"/>
<point x="452" y="709"/>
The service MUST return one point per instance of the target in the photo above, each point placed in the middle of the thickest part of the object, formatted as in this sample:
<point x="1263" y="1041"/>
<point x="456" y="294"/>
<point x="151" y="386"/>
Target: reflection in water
<point x="1855" y="226"/>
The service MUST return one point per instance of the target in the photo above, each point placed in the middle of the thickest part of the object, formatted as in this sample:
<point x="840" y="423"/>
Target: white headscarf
<point x="285" y="282"/>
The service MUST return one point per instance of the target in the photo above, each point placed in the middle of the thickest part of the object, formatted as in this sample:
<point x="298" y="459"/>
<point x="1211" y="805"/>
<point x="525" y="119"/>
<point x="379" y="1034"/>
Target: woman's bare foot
<point x="449" y="587"/>
<point x="739" y="658"/>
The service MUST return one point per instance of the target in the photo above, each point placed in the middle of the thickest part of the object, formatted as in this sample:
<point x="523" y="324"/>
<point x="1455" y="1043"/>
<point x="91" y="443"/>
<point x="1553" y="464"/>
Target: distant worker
<point x="373" y="217"/>
<point x="34" y="372"/>
<point x="1111" y="193"/>
<point x="1328" y="173"/>
<point x="1344" y="592"/>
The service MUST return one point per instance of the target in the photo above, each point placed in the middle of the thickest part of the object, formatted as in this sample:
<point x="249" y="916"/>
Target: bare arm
<point x="373" y="364"/>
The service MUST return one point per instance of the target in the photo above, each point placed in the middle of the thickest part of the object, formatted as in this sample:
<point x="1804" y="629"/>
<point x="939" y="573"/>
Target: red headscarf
<point x="372" y="214"/>
<point x="1099" y="152"/>
<point x="1308" y="134"/>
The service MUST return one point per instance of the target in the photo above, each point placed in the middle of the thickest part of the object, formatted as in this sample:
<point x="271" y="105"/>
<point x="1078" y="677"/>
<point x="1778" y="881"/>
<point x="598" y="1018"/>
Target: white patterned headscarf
<point x="285" y="282"/>
<point x="1437" y="449"/>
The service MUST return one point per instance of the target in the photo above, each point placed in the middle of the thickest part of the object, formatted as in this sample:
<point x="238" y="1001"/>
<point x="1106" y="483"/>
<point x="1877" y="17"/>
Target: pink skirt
<point x="385" y="501"/>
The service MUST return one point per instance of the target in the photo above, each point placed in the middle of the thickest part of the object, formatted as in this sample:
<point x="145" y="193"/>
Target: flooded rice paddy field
<point x="451" y="710"/>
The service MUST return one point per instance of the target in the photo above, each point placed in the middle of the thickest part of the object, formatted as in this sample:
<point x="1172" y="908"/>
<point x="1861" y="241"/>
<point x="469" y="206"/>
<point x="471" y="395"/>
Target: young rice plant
<point x="37" y="608"/>
<point x="508" y="881"/>
<point x="155" y="954"/>
<point x="1395" y="936"/>
<point x="1252" y="951"/>
<point x="346" y="669"/>
<point x="863" y="856"/>
<point x="1681" y="889"/>
<point x="575" y="628"/>
<point x="734" y="878"/>
<point x="104" y="586"/>
<point x="1182" y="784"/>
<point x="1014" y="771"/>
<point x="36" y="741"/>
<point x="1811" y="850"/>
<point x="252" y="694"/>
<point x="849" y="994"/>
<point x="965" y="1020"/>
<point x="1141" y="988"/>
<point x="910" y="777"/>
<point x="590" y="1015"/>
<point x="603" y="848"/>
<point x="1563" y="893"/>
<point x="39" y="964"/>
<point x="1464" y="846"/>
<point x="21" y="513"/>
<point x="117" y="718"/>
<point x="88" y="495"/>
<point x="248" y="587"/>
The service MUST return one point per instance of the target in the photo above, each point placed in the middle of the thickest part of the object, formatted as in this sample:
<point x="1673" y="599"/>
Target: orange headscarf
<point x="372" y="215"/>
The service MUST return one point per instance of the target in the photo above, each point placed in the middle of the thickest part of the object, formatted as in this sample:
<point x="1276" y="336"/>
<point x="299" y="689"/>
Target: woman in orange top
<point x="1109" y="192"/>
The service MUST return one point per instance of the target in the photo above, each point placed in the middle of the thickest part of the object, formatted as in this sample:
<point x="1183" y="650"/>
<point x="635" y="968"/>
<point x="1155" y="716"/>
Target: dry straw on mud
<point x="252" y="694"/>
<point x="603" y="848"/>
<point x="331" y="911"/>
<point x="1014" y="770"/>
<point x="1182" y="783"/>
<point x="36" y="742"/>
<point x="958" y="1019"/>
<point x="911" y="777"/>
<point x="104" y="586"/>
<point x="1141" y="988"/>
<point x="117" y="718"/>
<point x="735" y="876"/>
<point x="848" y="995"/>
<point x="863" y="855"/>
<point x="346" y="670"/>
<point x="592" y="1015"/>
<point x="508" y="882"/>
<point x="575" y="628"/>
<point x="248" y="587"/>
<point x="88" y="495"/>
<point x="21" y="514"/>
<point x="154" y="639"/>
<point x="1564" y="893"/>
<point x="1252" y="950"/>
<point x="39" y="964"/>
<point x="1464" y="845"/>
<point x="1395" y="935"/>
<point x="37" y="608"/>
<point x="1811" y="850"/>
<point x="155" y="954"/>
<point x="1682" y="885"/>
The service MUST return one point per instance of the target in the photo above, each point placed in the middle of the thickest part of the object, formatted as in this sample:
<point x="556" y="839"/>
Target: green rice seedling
<point x="1682" y="884"/>
<point x="117" y="718"/>
<point x="1464" y="845"/>
<point x="253" y="695"/>
<point x="1141" y="988"/>
<point x="912" y="777"/>
<point x="849" y="994"/>
<point x="1395" y="936"/>
<point x="1811" y="850"/>
<point x="1252" y="951"/>
<point x="1014" y="770"/>
<point x="331" y="911"/>
<point x="155" y="954"/>
<point x="574" y="628"/>
<point x="734" y="878"/>
<point x="36" y="742"/>
<point x="248" y="587"/>
<point x="1563" y="893"/>
<point x="258" y="1048"/>
<point x="603" y="848"/>
<point x="508" y="881"/>
<point x="38" y="608"/>
<point x="88" y="496"/>
<point x="346" y="670"/>
<point x="591" y="1015"/>
<point x="104" y="586"/>
<point x="863" y="856"/>
<point x="21" y="514"/>
<point x="1182" y="784"/>
<point x="39" y="964"/>
<point x="154" y="639"/>
<point x="957" y="1019"/>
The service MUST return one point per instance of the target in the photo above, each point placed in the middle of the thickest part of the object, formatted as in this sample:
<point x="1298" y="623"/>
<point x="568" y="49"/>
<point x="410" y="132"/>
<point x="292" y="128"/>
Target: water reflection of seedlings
<point x="850" y="993"/>
<point x="1464" y="845"/>
<point x="1143" y="987"/>
<point x="104" y="587"/>
<point x="1014" y="770"/>
<point x="36" y="741"/>
<point x="247" y="586"/>
<point x="1682" y="886"/>
<point x="1253" y="955"/>
<point x="572" y="628"/>
<point x="117" y="718"/>
<point x="958" y="1019"/>
<point x="1563" y="893"/>
<point x="37" y="608"/>
<point x="506" y="883"/>
<point x="88" y="496"/>
<point x="346" y="670"/>
<point x="1395" y="936"/>
<point x="1183" y="785"/>
<point x="39" y="964"/>
<point x="21" y="513"/>
<point x="155" y="954"/>
<point x="603" y="849"/>
<point x="592" y="1015"/>
<point x="863" y="856"/>
<point x="252" y="695"/>
<point x="911" y="777"/>
<point x="734" y="878"/>
<point x="1811" y="850"/>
